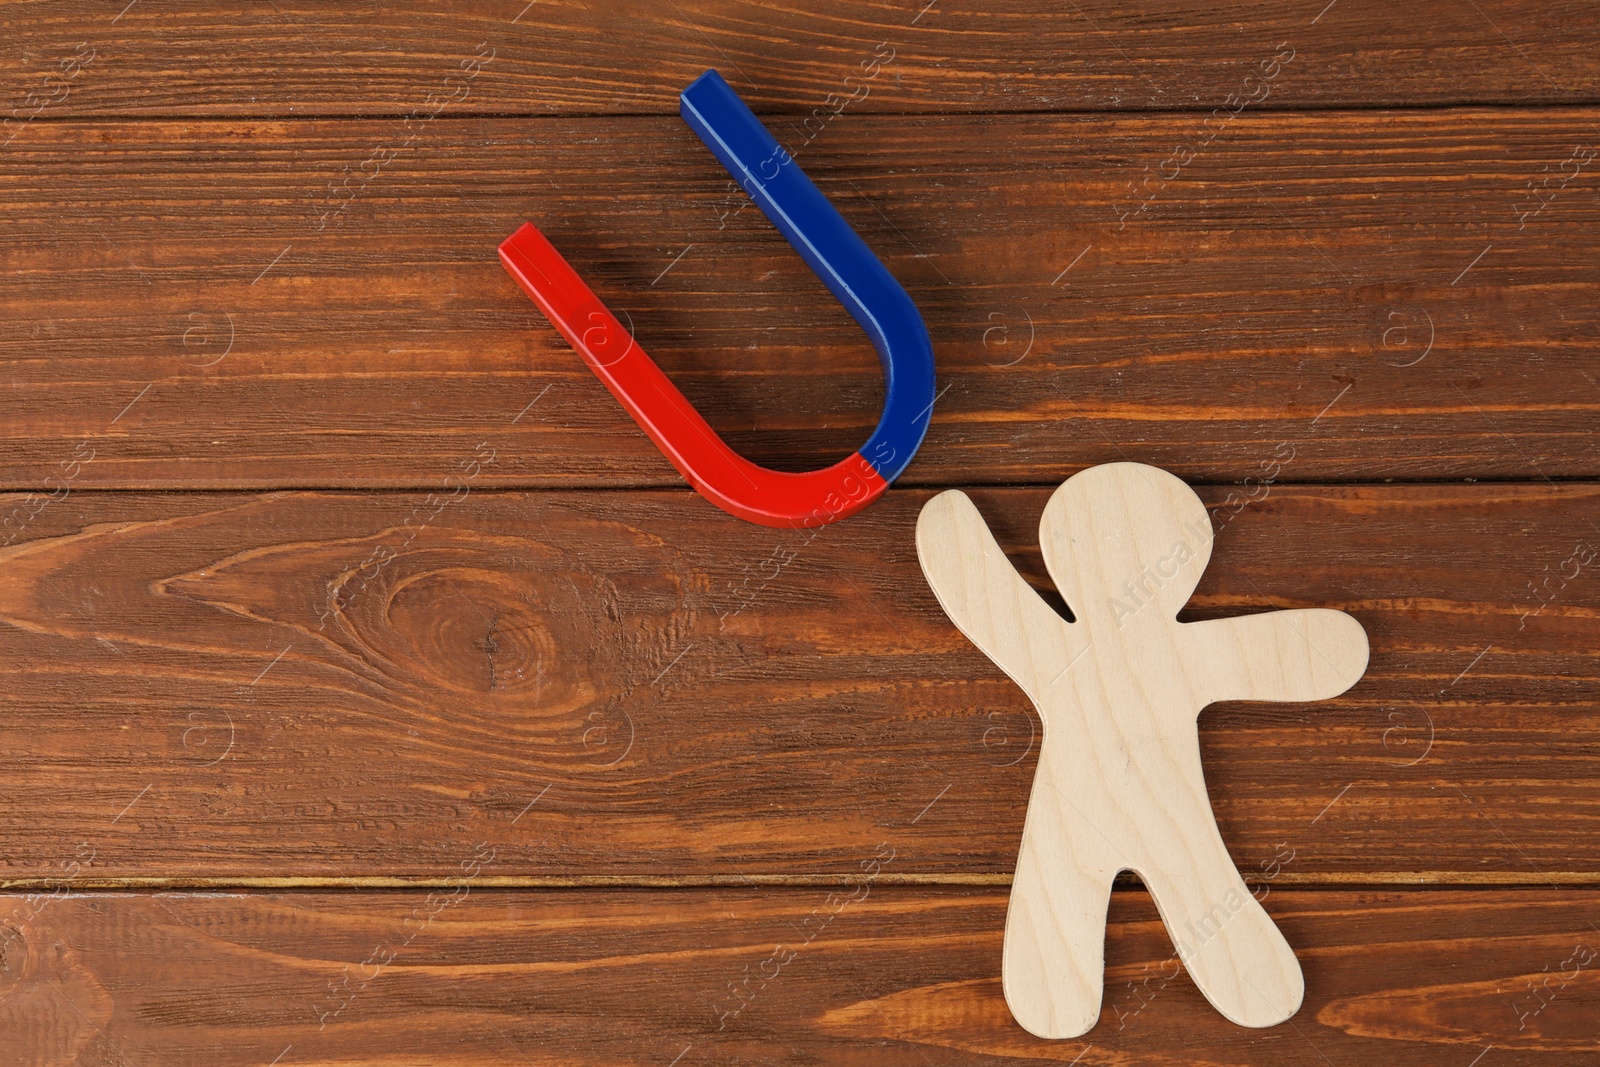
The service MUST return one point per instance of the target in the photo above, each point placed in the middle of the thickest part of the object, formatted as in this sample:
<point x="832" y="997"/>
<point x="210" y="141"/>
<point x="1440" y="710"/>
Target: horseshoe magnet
<point x="835" y="253"/>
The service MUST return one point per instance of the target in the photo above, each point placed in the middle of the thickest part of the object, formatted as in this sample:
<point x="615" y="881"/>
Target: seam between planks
<point x="903" y="485"/>
<point x="1575" y="104"/>
<point x="1386" y="880"/>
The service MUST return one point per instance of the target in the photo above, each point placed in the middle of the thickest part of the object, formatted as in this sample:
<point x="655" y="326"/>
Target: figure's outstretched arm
<point x="988" y="600"/>
<point x="1303" y="654"/>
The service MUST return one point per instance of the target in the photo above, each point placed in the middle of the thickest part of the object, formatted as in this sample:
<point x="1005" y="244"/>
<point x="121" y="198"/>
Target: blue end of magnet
<point x="836" y="254"/>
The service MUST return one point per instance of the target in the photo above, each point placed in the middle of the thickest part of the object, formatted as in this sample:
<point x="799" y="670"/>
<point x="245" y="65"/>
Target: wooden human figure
<point x="1119" y="784"/>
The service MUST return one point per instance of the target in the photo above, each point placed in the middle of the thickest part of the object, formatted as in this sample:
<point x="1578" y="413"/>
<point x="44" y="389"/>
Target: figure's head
<point x="1125" y="541"/>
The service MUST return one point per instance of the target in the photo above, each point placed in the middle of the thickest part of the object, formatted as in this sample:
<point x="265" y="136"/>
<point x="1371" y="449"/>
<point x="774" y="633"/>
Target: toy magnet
<point x="835" y="253"/>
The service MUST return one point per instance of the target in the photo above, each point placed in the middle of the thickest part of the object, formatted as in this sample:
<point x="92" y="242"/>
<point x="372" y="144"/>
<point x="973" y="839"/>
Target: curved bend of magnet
<point x="835" y="253"/>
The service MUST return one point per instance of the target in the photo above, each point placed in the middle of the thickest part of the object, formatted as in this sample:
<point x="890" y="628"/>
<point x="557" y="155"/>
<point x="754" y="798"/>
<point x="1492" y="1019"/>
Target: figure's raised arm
<point x="987" y="599"/>
<point x="1303" y="654"/>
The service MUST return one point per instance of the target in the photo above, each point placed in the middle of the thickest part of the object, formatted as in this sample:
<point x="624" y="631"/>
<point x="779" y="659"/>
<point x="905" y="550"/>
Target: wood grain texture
<point x="251" y="247"/>
<point x="1343" y="295"/>
<point x="300" y="58"/>
<point x="866" y="975"/>
<point x="366" y="684"/>
<point x="1119" y="783"/>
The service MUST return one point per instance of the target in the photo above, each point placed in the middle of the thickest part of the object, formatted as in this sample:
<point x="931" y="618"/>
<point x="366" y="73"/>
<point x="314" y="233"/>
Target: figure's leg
<point x="1054" y="962"/>
<point x="1227" y="941"/>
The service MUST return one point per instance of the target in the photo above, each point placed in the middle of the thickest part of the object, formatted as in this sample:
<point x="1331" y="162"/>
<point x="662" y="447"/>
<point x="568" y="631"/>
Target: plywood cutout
<point x="1119" y="784"/>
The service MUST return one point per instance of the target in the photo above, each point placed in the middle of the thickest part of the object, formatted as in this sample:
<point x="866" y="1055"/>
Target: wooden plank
<point x="363" y="685"/>
<point x="299" y="58"/>
<point x="218" y="304"/>
<point x="865" y="975"/>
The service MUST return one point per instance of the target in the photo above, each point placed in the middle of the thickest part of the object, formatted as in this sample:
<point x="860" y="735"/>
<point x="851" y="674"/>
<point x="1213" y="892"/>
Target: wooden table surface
<point x="376" y="694"/>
